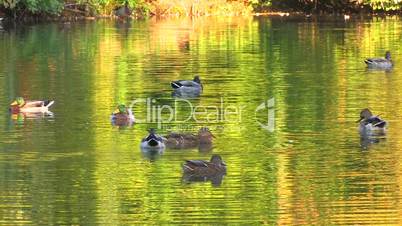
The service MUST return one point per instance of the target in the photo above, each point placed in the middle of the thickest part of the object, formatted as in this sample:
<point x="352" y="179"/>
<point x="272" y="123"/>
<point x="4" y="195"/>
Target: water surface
<point x="313" y="168"/>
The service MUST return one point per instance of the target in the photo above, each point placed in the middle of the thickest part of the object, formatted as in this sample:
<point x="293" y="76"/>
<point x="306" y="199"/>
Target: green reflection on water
<point x="76" y="168"/>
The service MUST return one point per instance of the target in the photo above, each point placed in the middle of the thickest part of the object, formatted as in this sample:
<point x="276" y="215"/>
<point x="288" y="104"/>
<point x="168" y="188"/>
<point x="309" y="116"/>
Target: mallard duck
<point x="185" y="140"/>
<point x="384" y="63"/>
<point x="153" y="141"/>
<point x="370" y="124"/>
<point x="122" y="11"/>
<point x="187" y="87"/>
<point x="122" y="115"/>
<point x="30" y="106"/>
<point x="202" y="167"/>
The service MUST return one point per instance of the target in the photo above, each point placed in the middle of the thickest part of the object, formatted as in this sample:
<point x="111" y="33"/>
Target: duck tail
<point x="48" y="103"/>
<point x="381" y="124"/>
<point x="187" y="168"/>
<point x="130" y="113"/>
<point x="175" y="85"/>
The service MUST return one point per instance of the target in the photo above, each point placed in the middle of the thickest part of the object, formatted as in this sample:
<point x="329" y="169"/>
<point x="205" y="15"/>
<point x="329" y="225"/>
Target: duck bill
<point x="116" y="111"/>
<point x="14" y="103"/>
<point x="359" y="120"/>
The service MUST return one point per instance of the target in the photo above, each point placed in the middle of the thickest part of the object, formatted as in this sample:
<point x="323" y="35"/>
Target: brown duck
<point x="29" y="106"/>
<point x="122" y="116"/>
<point x="205" y="168"/>
<point x="183" y="140"/>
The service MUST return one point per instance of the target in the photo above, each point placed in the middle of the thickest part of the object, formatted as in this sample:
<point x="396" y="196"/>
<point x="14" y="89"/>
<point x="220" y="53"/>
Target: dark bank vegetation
<point x="18" y="9"/>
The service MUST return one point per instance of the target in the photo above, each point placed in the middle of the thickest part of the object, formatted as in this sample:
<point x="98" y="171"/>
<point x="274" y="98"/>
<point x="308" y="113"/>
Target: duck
<point x="186" y="140"/>
<point x="122" y="116"/>
<point x="153" y="141"/>
<point x="385" y="63"/>
<point x="187" y="87"/>
<point x="205" y="168"/>
<point x="370" y="124"/>
<point x="30" y="106"/>
<point x="122" y="12"/>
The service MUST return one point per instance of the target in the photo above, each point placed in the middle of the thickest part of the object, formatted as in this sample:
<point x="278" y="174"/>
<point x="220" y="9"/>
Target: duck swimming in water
<point x="187" y="88"/>
<point x="153" y="141"/>
<point x="30" y="106"/>
<point x="381" y="63"/>
<point x="188" y="140"/>
<point x="370" y="124"/>
<point x="122" y="116"/>
<point x="206" y="168"/>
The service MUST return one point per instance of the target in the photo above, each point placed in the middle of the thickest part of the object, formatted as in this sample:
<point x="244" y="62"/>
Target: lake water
<point x="292" y="149"/>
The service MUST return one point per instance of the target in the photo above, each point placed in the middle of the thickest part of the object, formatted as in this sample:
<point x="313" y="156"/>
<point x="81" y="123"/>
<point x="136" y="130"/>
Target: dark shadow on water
<point x="185" y="95"/>
<point x="386" y="71"/>
<point x="367" y="141"/>
<point x="215" y="179"/>
<point x="123" y="26"/>
<point x="205" y="147"/>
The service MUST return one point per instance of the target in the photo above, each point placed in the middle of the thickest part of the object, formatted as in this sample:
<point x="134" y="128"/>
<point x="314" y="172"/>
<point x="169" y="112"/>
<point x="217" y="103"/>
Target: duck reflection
<point x="379" y="70"/>
<point x="123" y="26"/>
<point x="205" y="147"/>
<point x="216" y="179"/>
<point x="20" y="117"/>
<point x="366" y="141"/>
<point x="151" y="154"/>
<point x="186" y="94"/>
<point x="184" y="42"/>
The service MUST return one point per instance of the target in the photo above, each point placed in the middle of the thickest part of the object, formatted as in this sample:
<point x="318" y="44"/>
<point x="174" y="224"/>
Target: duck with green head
<point x="30" y="106"/>
<point x="122" y="115"/>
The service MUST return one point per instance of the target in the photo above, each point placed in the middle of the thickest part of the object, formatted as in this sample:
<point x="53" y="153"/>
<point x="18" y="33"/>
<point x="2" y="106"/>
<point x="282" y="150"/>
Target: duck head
<point x="197" y="79"/>
<point x="388" y="55"/>
<point x="205" y="135"/>
<point x="153" y="143"/>
<point x="121" y="109"/>
<point x="217" y="160"/>
<point x="19" y="101"/>
<point x="365" y="114"/>
<point x="152" y="139"/>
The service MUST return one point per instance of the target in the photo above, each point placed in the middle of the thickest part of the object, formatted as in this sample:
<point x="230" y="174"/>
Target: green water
<point x="309" y="167"/>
